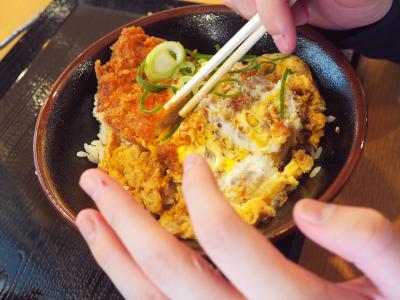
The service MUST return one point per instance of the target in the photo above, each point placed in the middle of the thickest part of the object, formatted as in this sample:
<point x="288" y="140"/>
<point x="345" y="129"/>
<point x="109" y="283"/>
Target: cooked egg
<point x="256" y="151"/>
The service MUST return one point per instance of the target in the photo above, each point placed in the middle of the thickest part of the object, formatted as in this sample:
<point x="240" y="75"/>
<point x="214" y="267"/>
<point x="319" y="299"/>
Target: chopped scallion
<point x="185" y="68"/>
<point x="269" y="70"/>
<point x="197" y="55"/>
<point x="161" y="62"/>
<point x="282" y="57"/>
<point x="249" y="67"/>
<point x="153" y="88"/>
<point x="233" y="95"/>
<point x="282" y="92"/>
<point x="198" y="87"/>
<point x="143" y="109"/>
<point x="182" y="81"/>
<point x="173" y="129"/>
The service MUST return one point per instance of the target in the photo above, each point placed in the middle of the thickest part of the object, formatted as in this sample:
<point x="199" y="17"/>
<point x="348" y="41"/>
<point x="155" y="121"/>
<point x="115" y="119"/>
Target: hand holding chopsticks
<point x="247" y="37"/>
<point x="215" y="61"/>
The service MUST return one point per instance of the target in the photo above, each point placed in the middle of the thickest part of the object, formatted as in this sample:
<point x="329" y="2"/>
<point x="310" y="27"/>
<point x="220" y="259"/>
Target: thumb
<point x="278" y="20"/>
<point x="361" y="235"/>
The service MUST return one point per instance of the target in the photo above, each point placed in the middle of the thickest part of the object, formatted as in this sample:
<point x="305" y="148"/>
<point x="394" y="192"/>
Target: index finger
<point x="245" y="257"/>
<point x="165" y="261"/>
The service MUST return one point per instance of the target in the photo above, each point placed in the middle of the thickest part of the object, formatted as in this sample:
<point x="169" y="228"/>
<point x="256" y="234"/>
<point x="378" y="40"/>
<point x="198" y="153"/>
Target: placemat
<point x="40" y="256"/>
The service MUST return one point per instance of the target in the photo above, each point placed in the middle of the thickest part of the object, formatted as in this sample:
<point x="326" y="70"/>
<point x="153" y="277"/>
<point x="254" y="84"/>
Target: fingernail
<point x="89" y="184"/>
<point x="315" y="212"/>
<point x="87" y="228"/>
<point x="191" y="161"/>
<point x="281" y="42"/>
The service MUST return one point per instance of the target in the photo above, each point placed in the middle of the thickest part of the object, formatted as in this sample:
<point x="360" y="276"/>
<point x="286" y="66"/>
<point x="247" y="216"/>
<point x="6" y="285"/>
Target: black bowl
<point x="66" y="123"/>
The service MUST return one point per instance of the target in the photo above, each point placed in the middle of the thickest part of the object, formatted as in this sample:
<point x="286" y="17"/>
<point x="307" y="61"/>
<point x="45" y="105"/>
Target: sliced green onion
<point x="145" y="111"/>
<point x="182" y="81"/>
<point x="200" y="64"/>
<point x="161" y="62"/>
<point x="282" y="57"/>
<point x="185" y="68"/>
<point x="202" y="61"/>
<point x="198" y="87"/>
<point x="270" y="70"/>
<point x="153" y="88"/>
<point x="195" y="54"/>
<point x="248" y="58"/>
<point x="215" y="91"/>
<point x="272" y="63"/>
<point x="256" y="66"/>
<point x="248" y="67"/>
<point x="282" y="92"/>
<point x="173" y="129"/>
<point x="217" y="47"/>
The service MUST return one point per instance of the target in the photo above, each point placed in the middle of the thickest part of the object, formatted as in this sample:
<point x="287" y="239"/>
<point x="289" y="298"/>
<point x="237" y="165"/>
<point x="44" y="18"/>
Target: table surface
<point x="376" y="180"/>
<point x="14" y="14"/>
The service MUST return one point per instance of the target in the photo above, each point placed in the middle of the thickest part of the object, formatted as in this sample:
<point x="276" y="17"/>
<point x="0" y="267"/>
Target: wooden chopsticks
<point x="234" y="58"/>
<point x="246" y="37"/>
<point x="215" y="61"/>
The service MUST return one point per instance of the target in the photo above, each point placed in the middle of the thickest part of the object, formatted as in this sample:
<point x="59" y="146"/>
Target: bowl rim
<point x="283" y="230"/>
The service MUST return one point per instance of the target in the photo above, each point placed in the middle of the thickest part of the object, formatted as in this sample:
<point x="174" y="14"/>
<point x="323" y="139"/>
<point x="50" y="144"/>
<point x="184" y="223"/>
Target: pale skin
<point x="280" y="20"/>
<point x="146" y="262"/>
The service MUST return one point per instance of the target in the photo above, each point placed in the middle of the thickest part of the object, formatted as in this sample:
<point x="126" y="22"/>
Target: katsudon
<point x="258" y="129"/>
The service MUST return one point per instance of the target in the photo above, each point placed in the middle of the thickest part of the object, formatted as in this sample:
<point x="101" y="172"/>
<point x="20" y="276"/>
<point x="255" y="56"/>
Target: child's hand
<point x="146" y="262"/>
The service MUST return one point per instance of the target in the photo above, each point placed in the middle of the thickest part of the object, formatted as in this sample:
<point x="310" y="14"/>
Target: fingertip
<point x="89" y="175"/>
<point x="86" y="223"/>
<point x="89" y="182"/>
<point x="199" y="184"/>
<point x="192" y="160"/>
<point x="290" y="39"/>
<point x="298" y="210"/>
<point x="278" y="20"/>
<point x="285" y="43"/>
<point x="89" y="172"/>
<point x="301" y="205"/>
<point x="85" y="213"/>
<point x="196" y="171"/>
<point x="92" y="181"/>
<point x="312" y="212"/>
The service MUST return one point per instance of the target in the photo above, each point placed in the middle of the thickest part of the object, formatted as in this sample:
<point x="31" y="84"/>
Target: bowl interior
<point x="70" y="122"/>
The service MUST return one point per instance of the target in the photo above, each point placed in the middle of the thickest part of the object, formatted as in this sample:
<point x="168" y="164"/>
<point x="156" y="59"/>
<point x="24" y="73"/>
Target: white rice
<point x="337" y="129"/>
<point x="82" y="154"/>
<point x="94" y="151"/>
<point x="330" y="119"/>
<point x="315" y="172"/>
<point x="317" y="153"/>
